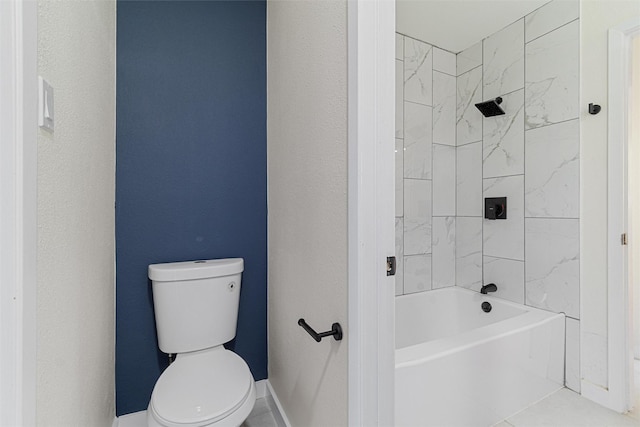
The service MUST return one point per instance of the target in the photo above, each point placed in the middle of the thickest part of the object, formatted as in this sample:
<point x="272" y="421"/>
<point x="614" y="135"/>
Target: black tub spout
<point x="491" y="287"/>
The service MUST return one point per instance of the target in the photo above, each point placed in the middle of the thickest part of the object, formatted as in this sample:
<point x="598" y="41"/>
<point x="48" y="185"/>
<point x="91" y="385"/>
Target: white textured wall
<point x="597" y="18"/>
<point x="76" y="193"/>
<point x="307" y="226"/>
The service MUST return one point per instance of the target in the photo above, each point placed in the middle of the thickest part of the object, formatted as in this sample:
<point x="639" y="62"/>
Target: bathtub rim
<point x="432" y="350"/>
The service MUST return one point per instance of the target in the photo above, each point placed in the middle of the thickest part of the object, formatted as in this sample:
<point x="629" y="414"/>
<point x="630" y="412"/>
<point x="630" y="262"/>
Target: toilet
<point x="196" y="309"/>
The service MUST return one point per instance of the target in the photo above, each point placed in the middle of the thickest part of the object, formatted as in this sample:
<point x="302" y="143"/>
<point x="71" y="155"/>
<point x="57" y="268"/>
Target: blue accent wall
<point x="191" y="168"/>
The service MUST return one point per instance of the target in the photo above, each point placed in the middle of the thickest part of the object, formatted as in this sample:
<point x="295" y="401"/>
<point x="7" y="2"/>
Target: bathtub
<point x="459" y="366"/>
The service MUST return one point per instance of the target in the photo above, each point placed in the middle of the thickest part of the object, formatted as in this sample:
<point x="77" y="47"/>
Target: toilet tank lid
<point x="190" y="270"/>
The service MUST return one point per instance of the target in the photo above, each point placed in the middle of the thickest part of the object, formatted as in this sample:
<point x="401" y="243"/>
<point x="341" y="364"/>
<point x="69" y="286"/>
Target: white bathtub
<point x="459" y="366"/>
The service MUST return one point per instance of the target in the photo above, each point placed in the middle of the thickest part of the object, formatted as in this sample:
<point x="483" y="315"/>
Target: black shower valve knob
<point x="495" y="208"/>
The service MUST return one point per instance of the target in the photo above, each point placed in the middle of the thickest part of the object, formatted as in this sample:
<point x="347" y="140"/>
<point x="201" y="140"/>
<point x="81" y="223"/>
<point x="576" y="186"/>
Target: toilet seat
<point x="202" y="388"/>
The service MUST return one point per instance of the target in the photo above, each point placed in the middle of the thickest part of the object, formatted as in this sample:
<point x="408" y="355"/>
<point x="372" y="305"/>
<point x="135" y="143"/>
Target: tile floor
<point x="260" y="416"/>
<point x="563" y="408"/>
<point x="566" y="408"/>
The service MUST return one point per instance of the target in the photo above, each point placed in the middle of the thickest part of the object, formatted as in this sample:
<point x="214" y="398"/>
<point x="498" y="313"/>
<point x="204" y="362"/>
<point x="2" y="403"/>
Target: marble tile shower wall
<point x="531" y="156"/>
<point x="425" y="166"/>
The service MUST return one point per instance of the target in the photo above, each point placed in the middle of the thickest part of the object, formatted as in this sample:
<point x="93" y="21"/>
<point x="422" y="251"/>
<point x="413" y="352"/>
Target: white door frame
<point x="18" y="247"/>
<point x="371" y="195"/>
<point x="620" y="366"/>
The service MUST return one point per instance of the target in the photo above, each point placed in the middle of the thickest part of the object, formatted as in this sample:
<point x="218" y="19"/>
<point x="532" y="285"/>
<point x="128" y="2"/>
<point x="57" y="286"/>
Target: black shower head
<point x="491" y="108"/>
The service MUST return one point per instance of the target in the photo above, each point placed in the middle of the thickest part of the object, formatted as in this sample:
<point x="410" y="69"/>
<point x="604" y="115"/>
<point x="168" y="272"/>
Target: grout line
<point x="404" y="199"/>
<point x="442" y="72"/>
<point x="551" y="217"/>
<point x="522" y="18"/>
<point x="422" y="41"/>
<point x="469" y="70"/>
<point x="514" y="91"/>
<point x="564" y="380"/>
<point x="550" y="124"/>
<point x="482" y="167"/>
<point x="455" y="206"/>
<point x="524" y="154"/>
<point x="551" y="31"/>
<point x="416" y="103"/>
<point x="418" y="179"/>
<point x="502" y="176"/>
<point x="501" y="257"/>
<point x="433" y="175"/>
<point x="537" y="9"/>
<point x="580" y="163"/>
<point x="468" y="143"/>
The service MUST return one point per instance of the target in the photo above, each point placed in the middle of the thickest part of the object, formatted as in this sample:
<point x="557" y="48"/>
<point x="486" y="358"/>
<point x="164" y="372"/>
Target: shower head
<point x="491" y="108"/>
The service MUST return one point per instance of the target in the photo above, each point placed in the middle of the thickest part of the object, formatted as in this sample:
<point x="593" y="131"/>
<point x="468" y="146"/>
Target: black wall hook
<point x="594" y="108"/>
<point x="336" y="331"/>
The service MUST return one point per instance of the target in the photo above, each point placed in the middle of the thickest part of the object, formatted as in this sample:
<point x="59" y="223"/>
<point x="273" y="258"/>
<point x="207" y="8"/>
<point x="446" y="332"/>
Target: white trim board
<point x="620" y="357"/>
<point x="371" y="193"/>
<point x="9" y="356"/>
<point x="18" y="108"/>
<point x="276" y="406"/>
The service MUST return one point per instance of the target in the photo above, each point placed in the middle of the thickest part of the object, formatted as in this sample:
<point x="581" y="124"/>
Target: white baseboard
<point x="600" y="395"/>
<point x="135" y="419"/>
<point x="261" y="389"/>
<point x="276" y="407"/>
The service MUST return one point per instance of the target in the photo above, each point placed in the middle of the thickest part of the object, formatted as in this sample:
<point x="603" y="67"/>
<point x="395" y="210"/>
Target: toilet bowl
<point x="196" y="308"/>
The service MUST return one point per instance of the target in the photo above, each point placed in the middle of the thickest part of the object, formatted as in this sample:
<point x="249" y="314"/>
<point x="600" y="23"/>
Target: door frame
<point x="620" y="367"/>
<point x="371" y="195"/>
<point x="18" y="179"/>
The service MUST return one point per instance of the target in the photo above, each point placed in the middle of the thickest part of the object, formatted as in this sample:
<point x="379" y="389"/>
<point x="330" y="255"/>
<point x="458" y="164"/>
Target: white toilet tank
<point x="196" y="303"/>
